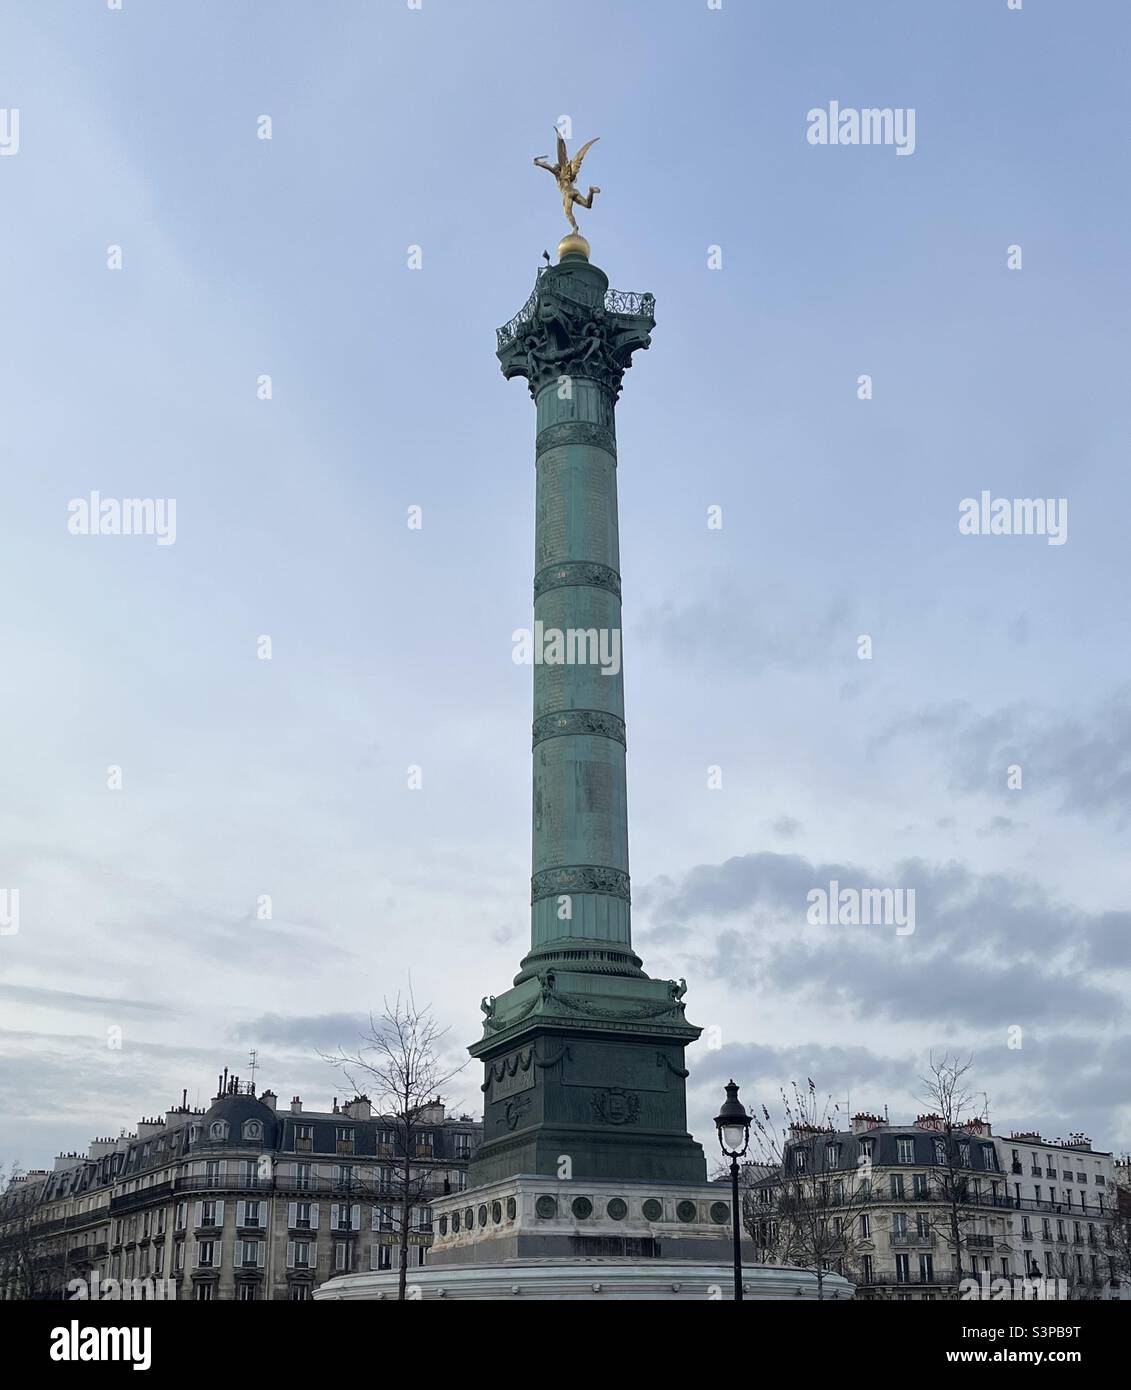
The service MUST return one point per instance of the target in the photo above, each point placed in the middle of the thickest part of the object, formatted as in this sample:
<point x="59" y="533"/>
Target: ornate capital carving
<point x="580" y="878"/>
<point x="567" y="328"/>
<point x="578" y="721"/>
<point x="582" y="572"/>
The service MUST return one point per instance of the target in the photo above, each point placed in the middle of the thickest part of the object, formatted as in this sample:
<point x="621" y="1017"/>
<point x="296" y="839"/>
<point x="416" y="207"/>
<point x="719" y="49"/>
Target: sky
<point x="784" y="271"/>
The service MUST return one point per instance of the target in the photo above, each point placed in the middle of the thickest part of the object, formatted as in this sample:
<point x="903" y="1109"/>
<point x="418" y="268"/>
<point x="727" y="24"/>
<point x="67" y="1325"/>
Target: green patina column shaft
<point x="584" y="1055"/>
<point x="579" y="877"/>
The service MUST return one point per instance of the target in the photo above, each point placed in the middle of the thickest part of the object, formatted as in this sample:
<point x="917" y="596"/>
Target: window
<point x="302" y="1216"/>
<point x="799" y="1160"/>
<point x="926" y="1269"/>
<point x="922" y="1226"/>
<point x="920" y="1181"/>
<point x="903" y="1269"/>
<point x="179" y="1257"/>
<point x="423" y="1145"/>
<point x="381" y="1257"/>
<point x="422" y="1218"/>
<point x="905" y="1150"/>
<point x="340" y="1214"/>
<point x="298" y="1254"/>
<point x="989" y="1158"/>
<point x="251" y="1253"/>
<point x="865" y="1226"/>
<point x="867" y="1149"/>
<point x="963" y="1153"/>
<point x="1060" y="1230"/>
<point x="246" y="1291"/>
<point x="462" y="1144"/>
<point x="343" y="1139"/>
<point x="899" y="1226"/>
<point x="897" y="1185"/>
<point x="866" y="1269"/>
<point x="1081" y="1177"/>
<point x="341" y="1254"/>
<point x="832" y="1155"/>
<point x="249" y="1172"/>
<point x="205" y="1293"/>
<point x="213" y="1173"/>
<point x="1037" y="1191"/>
<point x="1099" y="1180"/>
<point x="302" y="1177"/>
<point x="344" y="1174"/>
<point x="158" y="1260"/>
<point x="1046" y="1229"/>
<point x="218" y="1129"/>
<point x="299" y="1293"/>
<point x="1026" y="1230"/>
<point x="382" y="1218"/>
<point x="249" y="1213"/>
<point x="161" y="1215"/>
<point x="304" y="1138"/>
<point x="252" y="1129"/>
<point x="838" y="1191"/>
<point x="210" y="1214"/>
<point x="940" y="1152"/>
<point x="205" y="1253"/>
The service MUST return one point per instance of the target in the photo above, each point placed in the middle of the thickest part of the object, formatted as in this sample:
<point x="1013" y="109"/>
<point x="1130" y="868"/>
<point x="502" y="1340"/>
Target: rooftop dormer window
<point x="218" y="1130"/>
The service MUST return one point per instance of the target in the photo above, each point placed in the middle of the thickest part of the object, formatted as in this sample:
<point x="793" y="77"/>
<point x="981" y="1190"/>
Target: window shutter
<point x="355" y="1217"/>
<point x="292" y="1207"/>
<point x="376" y="1223"/>
<point x="219" y="1213"/>
<point x="241" y="1213"/>
<point x="290" y="1252"/>
<point x="259" y="1252"/>
<point x="334" y="1214"/>
<point x="314" y="1216"/>
<point x="373" y="1249"/>
<point x="199" y="1209"/>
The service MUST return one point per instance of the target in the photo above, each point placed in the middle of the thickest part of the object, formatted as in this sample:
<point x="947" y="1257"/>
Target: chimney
<point x="65" y="1162"/>
<point x="99" y="1148"/>
<point x="296" y="1106"/>
<point x="269" y="1099"/>
<point x="147" y="1128"/>
<point x="863" y="1122"/>
<point x="359" y="1108"/>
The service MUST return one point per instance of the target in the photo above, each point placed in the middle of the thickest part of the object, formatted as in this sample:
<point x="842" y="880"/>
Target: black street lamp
<point x="733" y="1124"/>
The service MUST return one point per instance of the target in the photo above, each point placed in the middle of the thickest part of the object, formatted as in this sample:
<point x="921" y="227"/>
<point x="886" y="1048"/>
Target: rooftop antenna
<point x="253" y="1062"/>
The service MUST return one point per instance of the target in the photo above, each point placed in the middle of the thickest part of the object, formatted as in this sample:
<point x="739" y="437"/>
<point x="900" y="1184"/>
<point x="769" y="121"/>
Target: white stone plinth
<point x="690" y="1280"/>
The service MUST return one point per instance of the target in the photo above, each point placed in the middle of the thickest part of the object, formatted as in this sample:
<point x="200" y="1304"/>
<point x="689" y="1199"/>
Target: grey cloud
<point x="79" y="1003"/>
<point x="316" y="1032"/>
<point x="1086" y="762"/>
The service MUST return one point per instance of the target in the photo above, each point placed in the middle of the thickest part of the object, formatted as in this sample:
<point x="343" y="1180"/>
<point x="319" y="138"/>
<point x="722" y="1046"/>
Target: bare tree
<point x="32" y="1260"/>
<point x="946" y="1092"/>
<point x="400" y="1062"/>
<point x="1117" y="1239"/>
<point x="802" y="1205"/>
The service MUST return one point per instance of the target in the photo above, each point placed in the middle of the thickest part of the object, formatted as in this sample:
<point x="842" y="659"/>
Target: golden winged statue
<point x="566" y="171"/>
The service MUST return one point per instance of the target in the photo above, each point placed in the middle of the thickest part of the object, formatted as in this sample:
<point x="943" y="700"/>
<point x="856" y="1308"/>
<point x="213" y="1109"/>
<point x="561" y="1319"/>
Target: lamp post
<point x="733" y="1124"/>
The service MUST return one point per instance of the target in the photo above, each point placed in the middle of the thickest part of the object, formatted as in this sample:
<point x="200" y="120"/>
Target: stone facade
<point x="239" y="1201"/>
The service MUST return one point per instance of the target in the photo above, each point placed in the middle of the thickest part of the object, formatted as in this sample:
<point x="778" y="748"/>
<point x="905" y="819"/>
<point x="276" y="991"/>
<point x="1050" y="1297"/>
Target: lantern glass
<point x="734" y="1137"/>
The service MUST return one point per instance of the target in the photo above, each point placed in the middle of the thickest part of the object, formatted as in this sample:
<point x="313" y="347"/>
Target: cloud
<point x="79" y="1003"/>
<point x="1086" y="761"/>
<point x="988" y="949"/>
<point x="311" y="1032"/>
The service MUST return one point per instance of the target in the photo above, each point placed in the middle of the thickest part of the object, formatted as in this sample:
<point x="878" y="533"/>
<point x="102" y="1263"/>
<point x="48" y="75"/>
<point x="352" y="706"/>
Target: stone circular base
<point x="689" y="1280"/>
